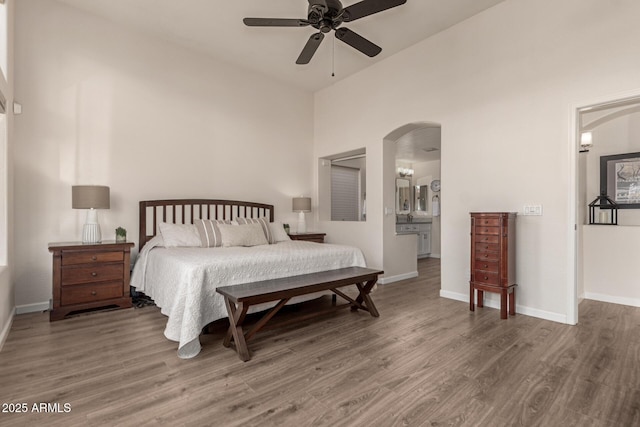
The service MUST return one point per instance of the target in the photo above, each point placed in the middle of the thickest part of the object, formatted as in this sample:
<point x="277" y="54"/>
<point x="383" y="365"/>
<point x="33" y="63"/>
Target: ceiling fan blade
<point x="274" y="22"/>
<point x="310" y="48"/>
<point x="369" y="7"/>
<point x="358" y="42"/>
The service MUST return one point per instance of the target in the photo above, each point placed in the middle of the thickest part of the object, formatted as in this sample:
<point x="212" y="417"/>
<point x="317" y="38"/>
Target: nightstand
<point x="309" y="237"/>
<point x="89" y="276"/>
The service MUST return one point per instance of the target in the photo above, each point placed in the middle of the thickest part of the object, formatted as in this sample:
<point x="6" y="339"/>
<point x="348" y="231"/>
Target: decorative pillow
<point x="278" y="233"/>
<point x="242" y="235"/>
<point x="263" y="223"/>
<point x="209" y="232"/>
<point x="175" y="235"/>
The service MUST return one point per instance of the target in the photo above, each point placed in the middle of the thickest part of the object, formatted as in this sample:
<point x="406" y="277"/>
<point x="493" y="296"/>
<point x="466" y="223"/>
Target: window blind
<point x="345" y="184"/>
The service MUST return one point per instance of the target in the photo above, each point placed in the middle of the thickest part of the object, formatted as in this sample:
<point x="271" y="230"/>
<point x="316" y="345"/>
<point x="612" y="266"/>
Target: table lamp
<point x="301" y="205"/>
<point x="90" y="197"/>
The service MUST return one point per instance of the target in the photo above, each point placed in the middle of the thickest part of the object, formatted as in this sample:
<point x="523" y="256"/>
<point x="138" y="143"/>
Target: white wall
<point x="7" y="288"/>
<point x="611" y="264"/>
<point x="501" y="84"/>
<point x="104" y="105"/>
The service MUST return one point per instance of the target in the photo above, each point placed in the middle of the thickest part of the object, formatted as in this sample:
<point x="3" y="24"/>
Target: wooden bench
<point x="239" y="298"/>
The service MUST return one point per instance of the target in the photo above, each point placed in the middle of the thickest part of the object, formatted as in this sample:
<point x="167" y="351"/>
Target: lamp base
<point x="302" y="225"/>
<point x="91" y="230"/>
<point x="91" y="233"/>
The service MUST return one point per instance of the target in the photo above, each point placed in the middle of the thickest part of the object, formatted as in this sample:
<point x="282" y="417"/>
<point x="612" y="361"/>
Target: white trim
<point x="399" y="277"/>
<point x="495" y="303"/>
<point x="5" y="331"/>
<point x="633" y="302"/>
<point x="434" y="256"/>
<point x="33" y="308"/>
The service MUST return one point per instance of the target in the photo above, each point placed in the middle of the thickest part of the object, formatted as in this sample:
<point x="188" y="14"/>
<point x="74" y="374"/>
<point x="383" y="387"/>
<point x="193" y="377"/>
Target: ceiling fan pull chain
<point x="333" y="58"/>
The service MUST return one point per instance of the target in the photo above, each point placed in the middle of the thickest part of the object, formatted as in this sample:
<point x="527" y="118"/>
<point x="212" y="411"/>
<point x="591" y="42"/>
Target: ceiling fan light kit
<point x="327" y="15"/>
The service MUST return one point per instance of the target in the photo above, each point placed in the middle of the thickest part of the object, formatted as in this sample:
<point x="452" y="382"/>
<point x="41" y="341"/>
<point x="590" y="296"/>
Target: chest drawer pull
<point x="486" y="278"/>
<point x="94" y="274"/>
<point x="94" y="293"/>
<point x="486" y="266"/>
<point x="94" y="258"/>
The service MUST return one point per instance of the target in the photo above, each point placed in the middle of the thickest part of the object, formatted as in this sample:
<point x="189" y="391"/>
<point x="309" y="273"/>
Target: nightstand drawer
<point x="89" y="293"/>
<point x="93" y="257"/>
<point x="98" y="273"/>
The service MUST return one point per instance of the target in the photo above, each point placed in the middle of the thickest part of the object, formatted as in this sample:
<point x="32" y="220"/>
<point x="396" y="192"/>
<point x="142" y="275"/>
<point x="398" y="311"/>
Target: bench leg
<point x="366" y="298"/>
<point x="236" y="317"/>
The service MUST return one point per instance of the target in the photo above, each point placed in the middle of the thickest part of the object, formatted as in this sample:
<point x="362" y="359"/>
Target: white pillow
<point x="278" y="233"/>
<point x="242" y="235"/>
<point x="175" y="235"/>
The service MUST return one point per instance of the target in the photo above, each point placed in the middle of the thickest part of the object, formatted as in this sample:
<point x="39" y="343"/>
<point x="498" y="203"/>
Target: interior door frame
<point x="574" y="147"/>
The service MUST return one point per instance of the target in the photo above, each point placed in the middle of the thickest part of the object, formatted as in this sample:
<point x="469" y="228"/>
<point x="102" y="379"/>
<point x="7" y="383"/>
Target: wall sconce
<point x="90" y="197"/>
<point x="404" y="172"/>
<point x="301" y="205"/>
<point x="586" y="141"/>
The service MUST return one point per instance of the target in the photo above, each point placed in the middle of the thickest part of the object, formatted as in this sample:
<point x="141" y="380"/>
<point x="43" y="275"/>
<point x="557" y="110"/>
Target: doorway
<point x="604" y="254"/>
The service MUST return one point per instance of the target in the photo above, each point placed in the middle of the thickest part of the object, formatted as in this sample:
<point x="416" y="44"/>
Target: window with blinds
<point x="345" y="190"/>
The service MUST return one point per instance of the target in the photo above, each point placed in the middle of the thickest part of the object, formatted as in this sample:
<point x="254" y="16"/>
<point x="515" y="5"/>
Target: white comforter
<point x="183" y="281"/>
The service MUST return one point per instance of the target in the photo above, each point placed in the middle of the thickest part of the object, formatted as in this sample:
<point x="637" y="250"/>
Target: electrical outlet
<point x="533" y="210"/>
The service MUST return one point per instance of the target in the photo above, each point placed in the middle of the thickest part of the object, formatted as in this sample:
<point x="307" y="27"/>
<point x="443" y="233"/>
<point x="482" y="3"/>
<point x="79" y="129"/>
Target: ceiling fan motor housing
<point x="325" y="15"/>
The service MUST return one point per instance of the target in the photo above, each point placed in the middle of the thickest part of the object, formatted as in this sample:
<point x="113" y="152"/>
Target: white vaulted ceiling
<point x="215" y="28"/>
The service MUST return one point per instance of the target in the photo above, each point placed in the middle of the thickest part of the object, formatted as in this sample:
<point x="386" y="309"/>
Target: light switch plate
<point x="533" y="210"/>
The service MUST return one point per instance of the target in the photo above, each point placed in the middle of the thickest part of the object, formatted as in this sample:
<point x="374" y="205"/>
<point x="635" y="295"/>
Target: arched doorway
<point x="416" y="147"/>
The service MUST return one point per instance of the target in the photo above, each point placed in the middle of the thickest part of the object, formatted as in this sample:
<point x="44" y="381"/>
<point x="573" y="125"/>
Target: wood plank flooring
<point x="426" y="361"/>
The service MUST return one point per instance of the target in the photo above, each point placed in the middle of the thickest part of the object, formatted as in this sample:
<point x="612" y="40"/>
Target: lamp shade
<point x="90" y="197"/>
<point x="301" y="204"/>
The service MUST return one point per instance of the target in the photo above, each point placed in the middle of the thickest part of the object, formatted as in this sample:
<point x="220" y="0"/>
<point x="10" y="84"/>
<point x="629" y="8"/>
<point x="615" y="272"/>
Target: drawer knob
<point x="486" y="266"/>
<point x="94" y="293"/>
<point x="486" y="230"/>
<point x="94" y="274"/>
<point x="485" y="278"/>
<point x="486" y="255"/>
<point x="486" y="247"/>
<point x="94" y="258"/>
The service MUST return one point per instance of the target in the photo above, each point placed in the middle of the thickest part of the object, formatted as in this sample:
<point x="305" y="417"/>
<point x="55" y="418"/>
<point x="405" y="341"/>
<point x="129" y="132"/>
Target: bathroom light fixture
<point x="301" y="205"/>
<point x="90" y="197"/>
<point x="404" y="172"/>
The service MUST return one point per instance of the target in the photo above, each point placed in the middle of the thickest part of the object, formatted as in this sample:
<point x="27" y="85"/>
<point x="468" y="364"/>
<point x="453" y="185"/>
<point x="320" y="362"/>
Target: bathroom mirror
<point x="421" y="202"/>
<point x="403" y="196"/>
<point x="422" y="195"/>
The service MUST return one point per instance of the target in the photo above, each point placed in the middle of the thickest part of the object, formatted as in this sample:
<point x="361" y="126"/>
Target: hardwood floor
<point x="425" y="361"/>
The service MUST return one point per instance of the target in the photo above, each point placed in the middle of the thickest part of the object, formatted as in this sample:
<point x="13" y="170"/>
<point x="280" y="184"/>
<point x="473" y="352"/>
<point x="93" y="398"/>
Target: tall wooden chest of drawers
<point x="493" y="261"/>
<point x="88" y="276"/>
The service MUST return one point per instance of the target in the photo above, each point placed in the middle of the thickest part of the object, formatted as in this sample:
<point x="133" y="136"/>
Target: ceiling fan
<point x="327" y="15"/>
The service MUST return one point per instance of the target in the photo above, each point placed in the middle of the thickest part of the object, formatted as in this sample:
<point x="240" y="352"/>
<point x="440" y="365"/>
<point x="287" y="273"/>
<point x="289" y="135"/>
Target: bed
<point x="183" y="280"/>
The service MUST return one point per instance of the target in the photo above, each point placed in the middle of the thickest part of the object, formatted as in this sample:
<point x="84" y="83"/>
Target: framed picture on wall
<point x="620" y="179"/>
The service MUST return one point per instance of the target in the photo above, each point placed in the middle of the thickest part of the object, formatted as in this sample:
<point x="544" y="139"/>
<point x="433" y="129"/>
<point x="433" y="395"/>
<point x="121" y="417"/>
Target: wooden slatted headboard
<point x="185" y="211"/>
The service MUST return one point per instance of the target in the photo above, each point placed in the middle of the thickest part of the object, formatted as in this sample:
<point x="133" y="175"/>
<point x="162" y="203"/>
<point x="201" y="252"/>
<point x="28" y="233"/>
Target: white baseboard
<point x="33" y="308"/>
<point x="493" y="301"/>
<point x="397" y="278"/>
<point x="633" y="302"/>
<point x="434" y="256"/>
<point x="5" y="331"/>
